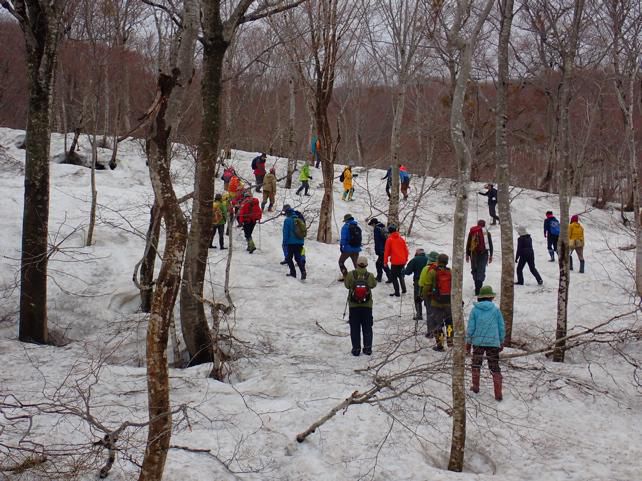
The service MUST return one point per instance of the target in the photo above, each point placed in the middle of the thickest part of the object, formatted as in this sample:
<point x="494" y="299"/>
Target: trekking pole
<point x="259" y="235"/>
<point x="400" y="304"/>
<point x="345" y="309"/>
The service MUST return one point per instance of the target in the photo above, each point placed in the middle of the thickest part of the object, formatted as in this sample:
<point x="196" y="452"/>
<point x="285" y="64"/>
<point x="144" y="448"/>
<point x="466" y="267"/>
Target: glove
<point x="468" y="348"/>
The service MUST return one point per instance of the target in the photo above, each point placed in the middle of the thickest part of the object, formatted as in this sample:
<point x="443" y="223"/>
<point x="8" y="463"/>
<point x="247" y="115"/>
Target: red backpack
<point x="255" y="210"/>
<point x="477" y="241"/>
<point x="361" y="292"/>
<point x="443" y="285"/>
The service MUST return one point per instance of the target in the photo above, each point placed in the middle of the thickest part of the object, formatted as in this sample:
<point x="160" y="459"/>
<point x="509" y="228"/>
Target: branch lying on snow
<point x="340" y="334"/>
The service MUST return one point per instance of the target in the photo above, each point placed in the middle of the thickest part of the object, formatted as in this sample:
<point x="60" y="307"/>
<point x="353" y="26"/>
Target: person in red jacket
<point x="249" y="214"/>
<point x="396" y="254"/>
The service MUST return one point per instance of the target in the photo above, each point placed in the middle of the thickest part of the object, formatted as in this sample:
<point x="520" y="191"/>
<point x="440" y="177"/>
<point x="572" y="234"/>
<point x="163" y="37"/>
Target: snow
<point x="573" y="421"/>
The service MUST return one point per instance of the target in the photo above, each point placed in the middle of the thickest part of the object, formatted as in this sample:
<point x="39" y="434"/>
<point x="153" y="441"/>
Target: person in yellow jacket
<point x="348" y="188"/>
<point x="576" y="241"/>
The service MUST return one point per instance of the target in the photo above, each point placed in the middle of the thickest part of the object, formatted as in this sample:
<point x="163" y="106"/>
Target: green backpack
<point x="300" y="229"/>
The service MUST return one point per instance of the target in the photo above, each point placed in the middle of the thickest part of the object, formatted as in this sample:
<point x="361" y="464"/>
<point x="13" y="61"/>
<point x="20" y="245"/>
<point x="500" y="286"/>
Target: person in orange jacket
<point x="396" y="254"/>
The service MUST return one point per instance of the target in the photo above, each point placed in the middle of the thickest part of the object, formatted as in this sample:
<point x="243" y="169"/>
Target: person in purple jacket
<point x="525" y="255"/>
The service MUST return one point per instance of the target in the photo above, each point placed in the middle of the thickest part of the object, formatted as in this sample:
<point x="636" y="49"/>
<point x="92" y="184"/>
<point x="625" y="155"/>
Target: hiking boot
<point x="340" y="279"/>
<point x="378" y="279"/>
<point x="222" y="248"/>
<point x="540" y="282"/>
<point x="581" y="267"/>
<point x="428" y="335"/>
<point x="284" y="263"/>
<point x="395" y="294"/>
<point x="304" y="274"/>
<point x="367" y="351"/>
<point x="308" y="195"/>
<point x="474" y="387"/>
<point x="291" y="274"/>
<point x="438" y="348"/>
<point x="356" y="352"/>
<point x="519" y="283"/>
<point x="212" y="247"/>
<point x="389" y="281"/>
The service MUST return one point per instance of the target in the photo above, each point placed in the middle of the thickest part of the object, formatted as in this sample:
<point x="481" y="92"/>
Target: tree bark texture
<point x="395" y="147"/>
<point x="291" y="131"/>
<point x="149" y="258"/>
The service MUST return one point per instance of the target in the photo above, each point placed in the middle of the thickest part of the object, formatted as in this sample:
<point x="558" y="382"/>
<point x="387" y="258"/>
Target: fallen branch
<point x="343" y="334"/>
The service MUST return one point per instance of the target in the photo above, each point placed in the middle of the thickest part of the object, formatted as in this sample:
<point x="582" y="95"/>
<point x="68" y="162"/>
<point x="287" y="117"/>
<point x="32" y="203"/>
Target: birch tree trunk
<point x="149" y="258"/>
<point x="291" y="131"/>
<point x="395" y="147"/>
<point x="503" y="169"/>
<point x="94" y="191"/>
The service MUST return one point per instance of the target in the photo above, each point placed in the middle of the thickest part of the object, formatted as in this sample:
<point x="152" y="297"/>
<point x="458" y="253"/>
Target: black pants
<point x="396" y="274"/>
<point x="551" y="243"/>
<point x="217" y="228"/>
<point x="530" y="260"/>
<point x="344" y="257"/>
<point x="478" y="263"/>
<point x="304" y="185"/>
<point x="492" y="356"/>
<point x="418" y="300"/>
<point x="381" y="268"/>
<point x="492" y="212"/>
<point x="294" y="254"/>
<point x="360" y="320"/>
<point x="248" y="228"/>
<point x="259" y="182"/>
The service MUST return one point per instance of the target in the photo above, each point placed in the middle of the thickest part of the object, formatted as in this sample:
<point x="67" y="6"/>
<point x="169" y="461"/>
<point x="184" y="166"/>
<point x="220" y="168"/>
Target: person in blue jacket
<point x="350" y="244"/>
<point x="486" y="333"/>
<point x="380" y="236"/>
<point x="293" y="245"/>
<point x="552" y="233"/>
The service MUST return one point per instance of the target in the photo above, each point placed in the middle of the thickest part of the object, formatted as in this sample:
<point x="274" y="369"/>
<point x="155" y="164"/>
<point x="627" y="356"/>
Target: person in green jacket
<point x="423" y="281"/>
<point x="219" y="218"/>
<point x="414" y="268"/>
<point x="437" y="288"/>
<point x="305" y="179"/>
<point x="360" y="283"/>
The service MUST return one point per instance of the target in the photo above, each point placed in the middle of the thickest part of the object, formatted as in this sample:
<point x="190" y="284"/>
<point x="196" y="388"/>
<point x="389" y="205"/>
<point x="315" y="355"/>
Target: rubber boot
<point x="419" y="314"/>
<point x="250" y="246"/>
<point x="552" y="254"/>
<point x="570" y="262"/>
<point x="581" y="267"/>
<point x="474" y="387"/>
<point x="497" y="385"/>
<point x="304" y="274"/>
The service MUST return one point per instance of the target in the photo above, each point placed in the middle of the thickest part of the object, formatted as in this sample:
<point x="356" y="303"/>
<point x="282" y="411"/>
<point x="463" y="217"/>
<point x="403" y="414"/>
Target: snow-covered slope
<point x="574" y="421"/>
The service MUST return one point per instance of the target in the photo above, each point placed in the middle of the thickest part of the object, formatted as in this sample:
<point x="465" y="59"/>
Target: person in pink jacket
<point x="396" y="254"/>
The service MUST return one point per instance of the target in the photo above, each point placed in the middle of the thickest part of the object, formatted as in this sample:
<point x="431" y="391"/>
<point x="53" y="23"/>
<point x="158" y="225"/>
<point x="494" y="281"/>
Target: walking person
<point x="249" y="214"/>
<point x="305" y="179"/>
<point x="396" y="253"/>
<point x="258" y="167"/>
<point x="436" y="290"/>
<point x="425" y="296"/>
<point x="404" y="181"/>
<point x="485" y="333"/>
<point x="525" y="255"/>
<point x="388" y="179"/>
<point x="491" y="193"/>
<point x="348" y="188"/>
<point x="479" y="252"/>
<point x="227" y="176"/>
<point x="414" y="268"/>
<point x="380" y="236"/>
<point x="219" y="218"/>
<point x="269" y="190"/>
<point x="551" y="233"/>
<point x="293" y="242"/>
<point x="360" y="283"/>
<point x="350" y="243"/>
<point x="576" y="241"/>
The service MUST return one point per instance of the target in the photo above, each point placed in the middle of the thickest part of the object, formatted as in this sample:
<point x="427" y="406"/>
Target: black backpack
<point x="255" y="160"/>
<point x="354" y="235"/>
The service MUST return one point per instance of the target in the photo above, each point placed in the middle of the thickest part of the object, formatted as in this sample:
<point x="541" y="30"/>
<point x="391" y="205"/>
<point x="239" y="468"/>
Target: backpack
<point x="217" y="215"/>
<point x="227" y="175"/>
<point x="477" y="241"/>
<point x="255" y="160"/>
<point x="255" y="211"/>
<point x="443" y="283"/>
<point x="300" y="229"/>
<point x="360" y="292"/>
<point x="554" y="227"/>
<point x="354" y="235"/>
<point x="342" y="177"/>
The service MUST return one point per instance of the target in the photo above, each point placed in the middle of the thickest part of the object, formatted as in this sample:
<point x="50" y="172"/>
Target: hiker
<point x="249" y="214"/>
<point x="315" y="145"/>
<point x="551" y="233"/>
<point x="414" y="268"/>
<point x="576" y="242"/>
<point x="431" y="264"/>
<point x="485" y="333"/>
<point x="388" y="179"/>
<point x="235" y="185"/>
<point x="305" y="179"/>
<point x="396" y="253"/>
<point x="360" y="283"/>
<point x="258" y="167"/>
<point x="491" y="193"/>
<point x="404" y="181"/>
<point x="346" y="177"/>
<point x="269" y="189"/>
<point x="350" y="243"/>
<point x="294" y="231"/>
<point x="436" y="289"/>
<point x="219" y="218"/>
<point x="479" y="252"/>
<point x="525" y="255"/>
<point x="380" y="236"/>
<point x="227" y="176"/>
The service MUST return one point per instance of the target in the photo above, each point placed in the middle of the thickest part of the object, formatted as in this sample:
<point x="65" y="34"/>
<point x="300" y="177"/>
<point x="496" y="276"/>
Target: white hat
<point x="521" y="230"/>
<point x="362" y="261"/>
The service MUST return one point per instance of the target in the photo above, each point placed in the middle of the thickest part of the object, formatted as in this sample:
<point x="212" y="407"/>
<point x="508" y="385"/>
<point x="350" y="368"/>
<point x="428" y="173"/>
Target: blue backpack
<point x="554" y="227"/>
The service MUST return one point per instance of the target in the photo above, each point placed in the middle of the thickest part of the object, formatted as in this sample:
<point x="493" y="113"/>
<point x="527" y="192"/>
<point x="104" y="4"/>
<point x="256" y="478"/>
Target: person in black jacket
<point x="525" y="255"/>
<point x="491" y="193"/>
<point x="380" y="235"/>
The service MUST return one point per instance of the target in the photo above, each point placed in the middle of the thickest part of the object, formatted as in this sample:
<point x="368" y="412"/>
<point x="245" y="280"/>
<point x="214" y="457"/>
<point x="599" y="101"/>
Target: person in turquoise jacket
<point x="305" y="179"/>
<point x="293" y="245"/>
<point x="486" y="335"/>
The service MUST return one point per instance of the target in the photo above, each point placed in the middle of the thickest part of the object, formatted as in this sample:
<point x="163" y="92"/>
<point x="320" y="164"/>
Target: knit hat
<point x="575" y="218"/>
<point x="420" y="252"/>
<point x="373" y="221"/>
<point x="347" y="217"/>
<point x="521" y="230"/>
<point x="486" y="292"/>
<point x="218" y="197"/>
<point x="549" y="213"/>
<point x="362" y="261"/>
<point x="392" y="228"/>
<point x="481" y="223"/>
<point x="432" y="257"/>
<point x="442" y="259"/>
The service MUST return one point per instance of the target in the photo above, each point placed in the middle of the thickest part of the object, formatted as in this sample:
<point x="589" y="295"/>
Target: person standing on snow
<point x="350" y="243"/>
<point x="576" y="241"/>
<point x="414" y="268"/>
<point x="269" y="190"/>
<point x="219" y="218"/>
<point x="258" y="166"/>
<point x="249" y="214"/>
<point x="436" y="290"/>
<point x="396" y="253"/>
<point x="404" y="181"/>
<point x="479" y="252"/>
<point x="491" y="193"/>
<point x="380" y="236"/>
<point x="305" y="179"/>
<point x="346" y="178"/>
<point x="525" y="255"/>
<point x="293" y="240"/>
<point x="485" y="334"/>
<point x="388" y="179"/>
<point x="424" y="295"/>
<point x="552" y="234"/>
<point x="360" y="283"/>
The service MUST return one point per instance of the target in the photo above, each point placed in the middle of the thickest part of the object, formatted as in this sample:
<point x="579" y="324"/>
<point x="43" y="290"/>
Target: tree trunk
<point x="149" y="258"/>
<point x="326" y="154"/>
<point x="503" y="170"/>
<point x="395" y="146"/>
<point x="291" y="132"/>
<point x="94" y="192"/>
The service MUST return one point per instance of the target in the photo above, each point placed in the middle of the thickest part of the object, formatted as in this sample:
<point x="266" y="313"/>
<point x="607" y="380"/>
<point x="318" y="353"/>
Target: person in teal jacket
<point x="305" y="179"/>
<point x="486" y="333"/>
<point x="414" y="268"/>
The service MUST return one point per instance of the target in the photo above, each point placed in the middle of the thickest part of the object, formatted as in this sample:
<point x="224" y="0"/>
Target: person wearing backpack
<point x="388" y="179"/>
<point x="404" y="180"/>
<point x="360" y="283"/>
<point x="219" y="218"/>
<point x="436" y="289"/>
<point x="485" y="334"/>
<point x="249" y="214"/>
<point x="258" y="167"/>
<point x="227" y="176"/>
<point x="491" y="193"/>
<point x="269" y="190"/>
<point x="424" y="295"/>
<point x="551" y="233"/>
<point x="525" y="255"/>
<point x="576" y="241"/>
<point x="346" y="177"/>
<point x="396" y="253"/>
<point x="305" y="179"/>
<point x="479" y="252"/>
<point x="380" y="236"/>
<point x="415" y="268"/>
<point x="350" y="243"/>
<point x="293" y="240"/>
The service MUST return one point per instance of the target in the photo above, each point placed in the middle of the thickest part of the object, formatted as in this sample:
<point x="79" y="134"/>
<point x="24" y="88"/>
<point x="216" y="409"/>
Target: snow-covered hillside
<point x="574" y="421"/>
